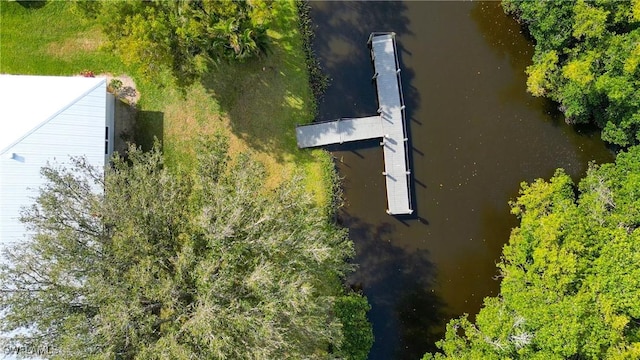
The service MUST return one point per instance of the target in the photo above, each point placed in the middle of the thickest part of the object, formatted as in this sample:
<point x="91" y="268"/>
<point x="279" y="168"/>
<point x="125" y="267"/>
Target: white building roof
<point x="28" y="102"/>
<point x="44" y="119"/>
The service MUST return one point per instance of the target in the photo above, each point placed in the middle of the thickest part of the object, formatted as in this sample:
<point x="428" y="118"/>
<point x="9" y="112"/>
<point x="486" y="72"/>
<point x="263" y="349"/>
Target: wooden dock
<point x="389" y="125"/>
<point x="339" y="131"/>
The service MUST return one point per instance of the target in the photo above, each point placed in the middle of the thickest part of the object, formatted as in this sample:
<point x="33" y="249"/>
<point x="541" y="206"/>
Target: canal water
<point x="475" y="134"/>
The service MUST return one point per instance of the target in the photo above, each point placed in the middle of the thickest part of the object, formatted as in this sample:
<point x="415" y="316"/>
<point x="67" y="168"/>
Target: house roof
<point x="45" y="120"/>
<point x="28" y="102"/>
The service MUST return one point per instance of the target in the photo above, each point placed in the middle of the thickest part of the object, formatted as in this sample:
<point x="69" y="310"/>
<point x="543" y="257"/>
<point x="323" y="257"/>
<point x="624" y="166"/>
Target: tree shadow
<point x="507" y="38"/>
<point x="406" y="314"/>
<point x="502" y="33"/>
<point x="275" y="85"/>
<point x="248" y="92"/>
<point x="32" y="4"/>
<point x="149" y="126"/>
<point x="278" y="86"/>
<point x="342" y="31"/>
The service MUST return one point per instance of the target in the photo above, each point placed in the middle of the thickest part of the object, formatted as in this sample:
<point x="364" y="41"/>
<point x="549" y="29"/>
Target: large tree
<point x="186" y="35"/>
<point x="570" y="273"/>
<point x="166" y="265"/>
<point x="587" y="58"/>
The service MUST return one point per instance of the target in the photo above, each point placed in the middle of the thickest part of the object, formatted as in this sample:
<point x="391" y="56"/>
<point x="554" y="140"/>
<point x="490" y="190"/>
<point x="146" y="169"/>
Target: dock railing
<point x="402" y="104"/>
<point x="355" y="129"/>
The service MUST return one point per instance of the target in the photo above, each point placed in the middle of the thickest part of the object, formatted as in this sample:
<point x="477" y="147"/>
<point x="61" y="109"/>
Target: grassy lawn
<point x="50" y="40"/>
<point x="256" y="104"/>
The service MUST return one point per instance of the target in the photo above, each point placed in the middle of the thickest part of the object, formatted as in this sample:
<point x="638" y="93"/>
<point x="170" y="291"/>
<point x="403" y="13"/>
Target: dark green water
<point x="476" y="134"/>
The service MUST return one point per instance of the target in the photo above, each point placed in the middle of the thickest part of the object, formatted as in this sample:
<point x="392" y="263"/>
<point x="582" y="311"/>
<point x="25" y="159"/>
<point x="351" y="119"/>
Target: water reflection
<point x="399" y="283"/>
<point x="341" y="38"/>
<point x="475" y="133"/>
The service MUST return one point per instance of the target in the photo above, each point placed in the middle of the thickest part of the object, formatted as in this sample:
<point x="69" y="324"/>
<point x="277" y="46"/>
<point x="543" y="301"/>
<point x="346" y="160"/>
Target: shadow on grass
<point x="149" y="126"/>
<point x="266" y="97"/>
<point x="262" y="110"/>
<point x="407" y="316"/>
<point x="32" y="4"/>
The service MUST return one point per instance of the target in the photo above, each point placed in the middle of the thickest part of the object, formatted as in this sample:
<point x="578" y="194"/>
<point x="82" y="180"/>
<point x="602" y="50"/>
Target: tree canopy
<point x="587" y="58"/>
<point x="167" y="265"/>
<point x="186" y="35"/>
<point x="570" y="276"/>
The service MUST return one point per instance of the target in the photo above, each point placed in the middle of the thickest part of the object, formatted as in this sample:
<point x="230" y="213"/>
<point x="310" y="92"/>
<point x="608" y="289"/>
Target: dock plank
<point x="389" y="125"/>
<point x="339" y="131"/>
<point x="393" y="124"/>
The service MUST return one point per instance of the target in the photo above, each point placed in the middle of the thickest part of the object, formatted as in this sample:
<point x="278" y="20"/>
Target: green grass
<point x="51" y="40"/>
<point x="256" y="104"/>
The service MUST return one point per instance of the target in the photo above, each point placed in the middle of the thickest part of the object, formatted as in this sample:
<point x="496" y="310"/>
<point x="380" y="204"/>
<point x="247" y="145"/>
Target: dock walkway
<point x="389" y="125"/>
<point x="339" y="131"/>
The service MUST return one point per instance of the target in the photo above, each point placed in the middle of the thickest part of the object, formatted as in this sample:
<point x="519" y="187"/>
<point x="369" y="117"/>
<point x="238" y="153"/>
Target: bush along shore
<point x="318" y="80"/>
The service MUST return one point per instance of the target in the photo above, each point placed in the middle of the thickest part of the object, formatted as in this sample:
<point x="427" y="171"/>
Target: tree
<point x="187" y="36"/>
<point x="586" y="59"/>
<point x="358" y="335"/>
<point x="570" y="277"/>
<point x="168" y="265"/>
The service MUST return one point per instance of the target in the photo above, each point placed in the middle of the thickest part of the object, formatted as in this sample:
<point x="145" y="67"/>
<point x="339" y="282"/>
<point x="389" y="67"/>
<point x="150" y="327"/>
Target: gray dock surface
<point x="339" y="131"/>
<point x="388" y="125"/>
<point x="383" y="52"/>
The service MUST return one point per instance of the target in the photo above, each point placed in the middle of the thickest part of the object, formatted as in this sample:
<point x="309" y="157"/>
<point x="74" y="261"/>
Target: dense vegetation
<point x="570" y="276"/>
<point x="188" y="36"/>
<point x="255" y="103"/>
<point x="166" y="265"/>
<point x="587" y="58"/>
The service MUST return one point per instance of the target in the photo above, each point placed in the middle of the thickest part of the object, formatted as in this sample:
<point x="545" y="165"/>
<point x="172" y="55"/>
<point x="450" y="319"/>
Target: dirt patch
<point x="88" y="41"/>
<point x="126" y="91"/>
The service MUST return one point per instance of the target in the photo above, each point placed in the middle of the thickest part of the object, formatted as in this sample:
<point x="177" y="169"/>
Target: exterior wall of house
<point x="110" y="124"/>
<point x="79" y="130"/>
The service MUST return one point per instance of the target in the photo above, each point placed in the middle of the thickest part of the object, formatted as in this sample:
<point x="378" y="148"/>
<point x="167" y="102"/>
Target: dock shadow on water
<point x="405" y="326"/>
<point x="476" y="134"/>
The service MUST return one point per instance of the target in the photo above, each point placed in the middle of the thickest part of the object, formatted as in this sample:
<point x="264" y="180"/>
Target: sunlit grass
<point x="51" y="40"/>
<point x="256" y="104"/>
